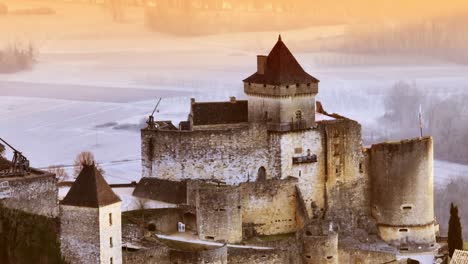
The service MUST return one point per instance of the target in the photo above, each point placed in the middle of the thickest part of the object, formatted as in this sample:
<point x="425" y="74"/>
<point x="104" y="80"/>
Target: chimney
<point x="261" y="63"/>
<point x="232" y="99"/>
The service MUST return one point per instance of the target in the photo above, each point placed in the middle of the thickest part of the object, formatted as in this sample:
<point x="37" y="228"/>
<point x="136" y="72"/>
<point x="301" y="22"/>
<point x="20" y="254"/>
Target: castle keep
<point x="278" y="163"/>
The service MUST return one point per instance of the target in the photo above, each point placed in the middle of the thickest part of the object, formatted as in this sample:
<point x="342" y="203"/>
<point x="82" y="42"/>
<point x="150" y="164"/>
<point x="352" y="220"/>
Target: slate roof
<point x="459" y="257"/>
<point x="90" y="190"/>
<point x="162" y="190"/>
<point x="216" y="113"/>
<point x="282" y="69"/>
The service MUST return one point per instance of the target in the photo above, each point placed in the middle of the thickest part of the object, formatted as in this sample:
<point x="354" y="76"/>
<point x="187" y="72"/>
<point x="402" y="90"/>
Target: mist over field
<point x="85" y="76"/>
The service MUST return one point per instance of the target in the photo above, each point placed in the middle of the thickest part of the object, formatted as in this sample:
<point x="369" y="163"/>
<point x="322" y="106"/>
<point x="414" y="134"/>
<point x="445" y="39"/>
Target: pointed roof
<point x="90" y="190"/>
<point x="282" y="68"/>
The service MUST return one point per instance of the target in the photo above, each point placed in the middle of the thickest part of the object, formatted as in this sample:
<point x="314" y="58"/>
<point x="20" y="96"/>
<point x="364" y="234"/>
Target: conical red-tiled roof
<point x="90" y="190"/>
<point x="282" y="69"/>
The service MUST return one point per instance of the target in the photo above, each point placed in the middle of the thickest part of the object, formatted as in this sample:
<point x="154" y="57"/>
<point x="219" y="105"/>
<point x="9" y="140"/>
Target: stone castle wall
<point x="347" y="188"/>
<point x="219" y="213"/>
<point x="214" y="154"/>
<point x="79" y="235"/>
<point x="310" y="175"/>
<point x="402" y="192"/>
<point x="358" y="256"/>
<point x="280" y="109"/>
<point x="319" y="249"/>
<point x="252" y="256"/>
<point x="37" y="194"/>
<point x="213" y="255"/>
<point x="110" y="228"/>
<point x="269" y="207"/>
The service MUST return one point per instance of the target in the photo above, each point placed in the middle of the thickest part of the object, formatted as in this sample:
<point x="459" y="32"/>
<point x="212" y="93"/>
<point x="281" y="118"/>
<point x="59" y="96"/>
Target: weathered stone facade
<point x="35" y="193"/>
<point x="402" y="192"/>
<point x="219" y="213"/>
<point x="294" y="163"/>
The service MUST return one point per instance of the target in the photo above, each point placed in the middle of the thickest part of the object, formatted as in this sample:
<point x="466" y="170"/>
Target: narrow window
<point x="300" y="172"/>
<point x="336" y="148"/>
<point x="111" y="260"/>
<point x="403" y="230"/>
<point x="298" y="115"/>
<point x="110" y="219"/>
<point x="361" y="169"/>
<point x="111" y="243"/>
<point x="329" y="257"/>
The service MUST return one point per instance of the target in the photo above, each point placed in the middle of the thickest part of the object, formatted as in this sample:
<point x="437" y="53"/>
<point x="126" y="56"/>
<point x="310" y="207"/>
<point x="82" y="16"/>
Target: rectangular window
<point x="110" y="219"/>
<point x="336" y="148"/>
<point x="111" y="243"/>
<point x="111" y="260"/>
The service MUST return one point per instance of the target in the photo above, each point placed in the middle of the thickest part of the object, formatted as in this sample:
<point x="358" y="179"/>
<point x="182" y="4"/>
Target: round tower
<point x="318" y="246"/>
<point x="403" y="192"/>
<point x="219" y="213"/>
<point x="281" y="93"/>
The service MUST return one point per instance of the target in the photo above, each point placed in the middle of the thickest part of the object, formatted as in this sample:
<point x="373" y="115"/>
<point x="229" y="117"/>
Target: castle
<point x="271" y="179"/>
<point x="278" y="163"/>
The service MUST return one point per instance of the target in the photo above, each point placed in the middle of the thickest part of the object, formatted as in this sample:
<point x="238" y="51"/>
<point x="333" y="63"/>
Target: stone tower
<point x="90" y="218"/>
<point x="281" y="93"/>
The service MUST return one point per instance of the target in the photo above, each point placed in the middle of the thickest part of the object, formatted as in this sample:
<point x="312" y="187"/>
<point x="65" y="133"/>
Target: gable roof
<point x="282" y="68"/>
<point x="216" y="113"/>
<point x="459" y="257"/>
<point x="90" y="190"/>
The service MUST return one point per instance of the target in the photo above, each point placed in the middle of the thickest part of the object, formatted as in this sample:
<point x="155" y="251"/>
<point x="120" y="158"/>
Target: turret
<point x="281" y="93"/>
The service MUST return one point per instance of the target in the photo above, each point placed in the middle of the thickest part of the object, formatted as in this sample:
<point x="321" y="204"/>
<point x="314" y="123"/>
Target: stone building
<point x="90" y="219"/>
<point x="294" y="164"/>
<point x="33" y="192"/>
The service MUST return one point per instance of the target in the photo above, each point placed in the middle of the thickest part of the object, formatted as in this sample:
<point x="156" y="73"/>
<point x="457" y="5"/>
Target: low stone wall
<point x="358" y="256"/>
<point x="252" y="256"/>
<point x="212" y="256"/>
<point x="157" y="255"/>
<point x="36" y="194"/>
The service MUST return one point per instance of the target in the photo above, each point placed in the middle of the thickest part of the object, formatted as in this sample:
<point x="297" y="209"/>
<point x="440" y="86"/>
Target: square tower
<point x="90" y="219"/>
<point x="281" y="93"/>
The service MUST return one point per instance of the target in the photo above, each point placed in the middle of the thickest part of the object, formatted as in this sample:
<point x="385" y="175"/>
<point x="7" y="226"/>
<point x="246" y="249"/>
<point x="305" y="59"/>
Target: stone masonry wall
<point x="33" y="194"/>
<point x="403" y="192"/>
<point x="252" y="256"/>
<point x="214" y="154"/>
<point x="219" y="213"/>
<point x="110" y="228"/>
<point x="347" y="189"/>
<point x="270" y="207"/>
<point x="79" y="234"/>
<point x="311" y="176"/>
<point x="212" y="256"/>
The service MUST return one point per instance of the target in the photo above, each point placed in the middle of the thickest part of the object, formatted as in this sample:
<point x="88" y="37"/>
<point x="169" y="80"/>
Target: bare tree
<point x="82" y="159"/>
<point x="59" y="172"/>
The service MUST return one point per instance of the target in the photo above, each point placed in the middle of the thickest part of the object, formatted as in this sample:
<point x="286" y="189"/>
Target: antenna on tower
<point x="151" y="123"/>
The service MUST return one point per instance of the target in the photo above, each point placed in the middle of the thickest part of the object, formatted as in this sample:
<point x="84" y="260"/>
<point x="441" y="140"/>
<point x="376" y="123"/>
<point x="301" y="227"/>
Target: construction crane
<point x="151" y="123"/>
<point x="19" y="163"/>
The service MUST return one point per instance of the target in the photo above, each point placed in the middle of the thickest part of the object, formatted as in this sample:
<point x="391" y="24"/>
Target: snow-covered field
<point x="96" y="81"/>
